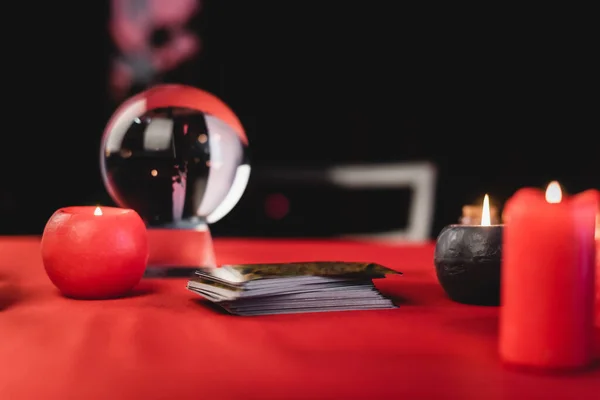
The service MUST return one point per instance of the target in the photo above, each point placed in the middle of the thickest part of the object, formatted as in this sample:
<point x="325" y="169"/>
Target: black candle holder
<point x="468" y="260"/>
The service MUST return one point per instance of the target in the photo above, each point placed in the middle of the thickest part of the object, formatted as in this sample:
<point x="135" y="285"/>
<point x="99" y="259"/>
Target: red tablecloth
<point x="164" y="344"/>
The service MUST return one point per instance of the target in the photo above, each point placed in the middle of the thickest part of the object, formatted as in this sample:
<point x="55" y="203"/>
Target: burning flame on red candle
<point x="485" y="212"/>
<point x="553" y="193"/>
<point x="97" y="211"/>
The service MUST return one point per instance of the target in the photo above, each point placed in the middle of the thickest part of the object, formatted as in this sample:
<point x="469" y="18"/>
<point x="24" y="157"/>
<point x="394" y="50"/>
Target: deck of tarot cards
<point x="263" y="289"/>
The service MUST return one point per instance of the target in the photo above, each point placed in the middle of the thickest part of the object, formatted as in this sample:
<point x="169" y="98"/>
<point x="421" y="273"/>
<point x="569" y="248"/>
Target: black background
<point x="497" y="99"/>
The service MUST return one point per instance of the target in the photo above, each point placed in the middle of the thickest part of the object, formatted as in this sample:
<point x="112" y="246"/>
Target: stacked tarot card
<point x="262" y="289"/>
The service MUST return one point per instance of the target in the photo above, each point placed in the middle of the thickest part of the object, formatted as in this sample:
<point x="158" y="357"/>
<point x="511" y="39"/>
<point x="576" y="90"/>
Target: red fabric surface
<point x="163" y="343"/>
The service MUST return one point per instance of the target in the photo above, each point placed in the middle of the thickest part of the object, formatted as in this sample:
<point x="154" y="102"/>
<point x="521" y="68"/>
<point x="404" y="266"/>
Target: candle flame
<point x="485" y="212"/>
<point x="97" y="211"/>
<point x="553" y="193"/>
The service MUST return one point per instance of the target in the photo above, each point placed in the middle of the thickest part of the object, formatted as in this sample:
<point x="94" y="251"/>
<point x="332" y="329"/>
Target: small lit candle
<point x="467" y="259"/>
<point x="93" y="252"/>
<point x="546" y="318"/>
<point x="472" y="214"/>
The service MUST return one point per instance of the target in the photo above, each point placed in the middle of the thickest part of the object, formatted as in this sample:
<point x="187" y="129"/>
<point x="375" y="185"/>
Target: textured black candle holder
<point x="467" y="261"/>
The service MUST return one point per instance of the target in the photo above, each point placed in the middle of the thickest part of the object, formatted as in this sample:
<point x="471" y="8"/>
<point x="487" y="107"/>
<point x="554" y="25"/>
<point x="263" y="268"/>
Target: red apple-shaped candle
<point x="95" y="253"/>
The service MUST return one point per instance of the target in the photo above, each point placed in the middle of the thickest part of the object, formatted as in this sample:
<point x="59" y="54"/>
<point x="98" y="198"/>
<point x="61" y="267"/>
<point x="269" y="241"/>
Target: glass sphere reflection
<point x="176" y="166"/>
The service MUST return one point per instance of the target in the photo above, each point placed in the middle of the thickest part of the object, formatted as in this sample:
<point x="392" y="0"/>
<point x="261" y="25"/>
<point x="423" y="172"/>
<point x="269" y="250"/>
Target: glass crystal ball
<point x="177" y="155"/>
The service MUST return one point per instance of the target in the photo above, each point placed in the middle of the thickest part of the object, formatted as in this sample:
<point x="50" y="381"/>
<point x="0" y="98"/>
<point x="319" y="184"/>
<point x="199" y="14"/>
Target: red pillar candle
<point x="93" y="252"/>
<point x="598" y="271"/>
<point x="547" y="300"/>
